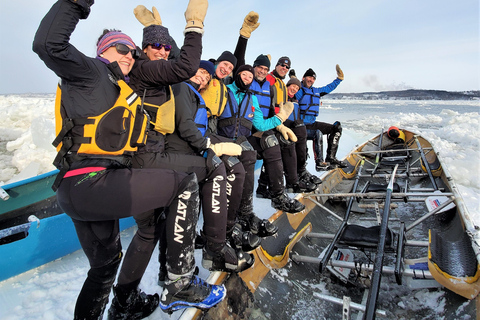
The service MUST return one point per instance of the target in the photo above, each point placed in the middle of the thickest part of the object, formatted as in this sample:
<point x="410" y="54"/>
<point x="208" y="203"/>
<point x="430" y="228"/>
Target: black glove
<point x="291" y="73"/>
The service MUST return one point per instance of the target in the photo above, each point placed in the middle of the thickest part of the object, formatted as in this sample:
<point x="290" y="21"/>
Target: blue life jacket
<point x="201" y="116"/>
<point x="309" y="105"/>
<point x="295" y="115"/>
<point x="236" y="121"/>
<point x="263" y="96"/>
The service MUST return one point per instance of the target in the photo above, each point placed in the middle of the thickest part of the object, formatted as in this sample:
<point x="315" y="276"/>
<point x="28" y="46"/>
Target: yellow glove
<point x="195" y="14"/>
<point x="285" y="110"/>
<point x="147" y="17"/>
<point x="228" y="148"/>
<point x="250" y="23"/>
<point x="287" y="133"/>
<point x="339" y="72"/>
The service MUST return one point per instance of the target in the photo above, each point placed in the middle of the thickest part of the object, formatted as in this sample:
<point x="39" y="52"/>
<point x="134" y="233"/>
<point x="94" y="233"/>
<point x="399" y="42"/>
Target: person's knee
<point x="268" y="141"/>
<point x="337" y="127"/>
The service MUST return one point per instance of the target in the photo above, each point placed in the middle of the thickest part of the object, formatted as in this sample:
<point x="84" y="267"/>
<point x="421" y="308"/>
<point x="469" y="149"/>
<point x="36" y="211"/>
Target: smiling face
<point x="124" y="61"/>
<point x="292" y="89"/>
<point x="308" y="81"/>
<point x="202" y="77"/>
<point x="260" y="73"/>
<point x="156" y="54"/>
<point x="247" y="77"/>
<point x="282" y="69"/>
<point x="224" y="68"/>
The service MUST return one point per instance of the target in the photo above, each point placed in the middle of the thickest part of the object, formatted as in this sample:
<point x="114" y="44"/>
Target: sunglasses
<point x="159" y="46"/>
<point x="285" y="66"/>
<point x="124" y="50"/>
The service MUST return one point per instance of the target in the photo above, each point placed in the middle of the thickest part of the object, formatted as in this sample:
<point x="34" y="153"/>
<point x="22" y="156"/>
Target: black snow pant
<point x="96" y="200"/>
<point x="333" y="132"/>
<point x="268" y="149"/>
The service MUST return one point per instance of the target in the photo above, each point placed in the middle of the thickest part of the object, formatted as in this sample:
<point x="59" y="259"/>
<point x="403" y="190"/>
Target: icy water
<point x="50" y="291"/>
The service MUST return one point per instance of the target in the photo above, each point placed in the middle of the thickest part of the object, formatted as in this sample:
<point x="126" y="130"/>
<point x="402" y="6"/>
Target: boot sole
<point x="216" y="296"/>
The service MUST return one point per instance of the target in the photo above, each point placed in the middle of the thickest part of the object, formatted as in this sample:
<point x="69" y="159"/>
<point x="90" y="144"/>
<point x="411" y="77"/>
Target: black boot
<point x="162" y="275"/>
<point x="285" y="203"/>
<point x="335" y="163"/>
<point x="243" y="240"/>
<point x="301" y="186"/>
<point x="308" y="177"/>
<point x="262" y="191"/>
<point x="321" y="165"/>
<point x="190" y="291"/>
<point x="222" y="257"/>
<point x="261" y="227"/>
<point x="131" y="304"/>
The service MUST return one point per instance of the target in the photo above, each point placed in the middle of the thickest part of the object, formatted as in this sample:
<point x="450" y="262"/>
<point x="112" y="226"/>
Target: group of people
<point x="154" y="132"/>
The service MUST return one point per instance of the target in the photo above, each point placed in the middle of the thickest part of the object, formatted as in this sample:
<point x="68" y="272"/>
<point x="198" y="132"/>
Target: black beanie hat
<point x="262" y="60"/>
<point x="245" y="67"/>
<point x="284" y="60"/>
<point x="310" y="73"/>
<point x="227" y="56"/>
<point x="155" y="34"/>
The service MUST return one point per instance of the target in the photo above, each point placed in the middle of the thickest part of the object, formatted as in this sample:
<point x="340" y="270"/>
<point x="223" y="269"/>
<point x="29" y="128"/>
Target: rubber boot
<point x="261" y="227"/>
<point x="132" y="304"/>
<point x="262" y="188"/>
<point x="190" y="291"/>
<point x="283" y="202"/>
<point x="222" y="257"/>
<point x="332" y="148"/>
<point x="243" y="240"/>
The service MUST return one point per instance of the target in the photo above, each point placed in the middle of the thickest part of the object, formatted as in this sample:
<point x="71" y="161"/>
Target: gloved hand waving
<point x="285" y="111"/>
<point x="250" y="23"/>
<point x="147" y="17"/>
<point x="226" y="148"/>
<point x="339" y="72"/>
<point x="195" y="14"/>
<point x="287" y="133"/>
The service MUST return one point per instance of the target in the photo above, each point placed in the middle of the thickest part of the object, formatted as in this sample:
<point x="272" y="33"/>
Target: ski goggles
<point x="124" y="50"/>
<point x="159" y="46"/>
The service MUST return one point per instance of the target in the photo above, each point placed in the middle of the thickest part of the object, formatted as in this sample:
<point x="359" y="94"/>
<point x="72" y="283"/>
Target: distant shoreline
<point x="411" y="94"/>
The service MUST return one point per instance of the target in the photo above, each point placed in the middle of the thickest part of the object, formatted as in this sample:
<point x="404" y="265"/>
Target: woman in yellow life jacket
<point x="103" y="124"/>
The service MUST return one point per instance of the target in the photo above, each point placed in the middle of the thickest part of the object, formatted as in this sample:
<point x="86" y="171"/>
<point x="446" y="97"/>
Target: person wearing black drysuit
<point x="96" y="186"/>
<point x="187" y="149"/>
<point x="147" y="80"/>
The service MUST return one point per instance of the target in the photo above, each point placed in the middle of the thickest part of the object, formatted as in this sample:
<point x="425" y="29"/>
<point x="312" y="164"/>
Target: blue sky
<point x="380" y="45"/>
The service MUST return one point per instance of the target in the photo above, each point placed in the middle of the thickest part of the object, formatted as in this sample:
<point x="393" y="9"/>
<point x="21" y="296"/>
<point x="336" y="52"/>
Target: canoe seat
<point x="373" y="187"/>
<point x="365" y="237"/>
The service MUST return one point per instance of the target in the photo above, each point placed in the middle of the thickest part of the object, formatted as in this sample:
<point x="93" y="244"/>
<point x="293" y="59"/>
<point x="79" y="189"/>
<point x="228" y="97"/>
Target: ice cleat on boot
<point x="263" y="192"/>
<point x="335" y="163"/>
<point x="243" y="240"/>
<point x="301" y="186"/>
<point x="285" y="203"/>
<point x="308" y="177"/>
<point x="222" y="257"/>
<point x="261" y="227"/>
<point x="190" y="291"/>
<point x="134" y="305"/>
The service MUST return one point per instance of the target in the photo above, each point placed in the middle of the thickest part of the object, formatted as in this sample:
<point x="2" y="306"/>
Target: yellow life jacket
<point x="280" y="90"/>
<point x="118" y="131"/>
<point x="164" y="115"/>
<point x="215" y="97"/>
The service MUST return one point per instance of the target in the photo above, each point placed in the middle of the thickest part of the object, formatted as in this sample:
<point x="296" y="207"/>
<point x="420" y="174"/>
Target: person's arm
<point x="250" y="23"/>
<point x="52" y="45"/>
<point x="259" y="122"/>
<point x="326" y="89"/>
<point x="185" y="109"/>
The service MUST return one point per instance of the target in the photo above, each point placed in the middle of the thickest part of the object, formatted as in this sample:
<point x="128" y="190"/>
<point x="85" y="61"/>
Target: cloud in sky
<point x="431" y="44"/>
